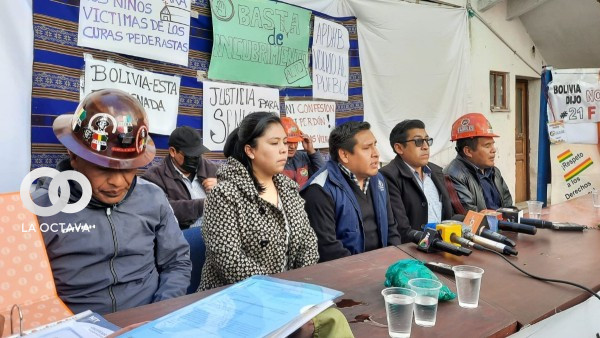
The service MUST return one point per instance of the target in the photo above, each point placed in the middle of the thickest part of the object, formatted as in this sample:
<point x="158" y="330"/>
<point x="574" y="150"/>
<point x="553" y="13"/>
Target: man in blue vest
<point x="347" y="201"/>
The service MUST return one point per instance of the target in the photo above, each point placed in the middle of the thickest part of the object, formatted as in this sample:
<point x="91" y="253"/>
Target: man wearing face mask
<point x="185" y="176"/>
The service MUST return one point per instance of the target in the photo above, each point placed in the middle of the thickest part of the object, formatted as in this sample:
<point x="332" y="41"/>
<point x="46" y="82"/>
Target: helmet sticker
<point x="140" y="139"/>
<point x="78" y="120"/>
<point x="99" y="141"/>
<point x="123" y="150"/>
<point x="124" y="124"/>
<point x="104" y="120"/>
<point x="464" y="129"/>
<point x="126" y="139"/>
<point x="100" y="136"/>
<point x="87" y="134"/>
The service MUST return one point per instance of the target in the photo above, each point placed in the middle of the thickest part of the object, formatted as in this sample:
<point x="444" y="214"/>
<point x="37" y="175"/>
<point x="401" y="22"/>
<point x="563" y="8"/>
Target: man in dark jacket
<point x="185" y="176"/>
<point x="347" y="200"/>
<point x="125" y="249"/>
<point x="416" y="186"/>
<point x="477" y="181"/>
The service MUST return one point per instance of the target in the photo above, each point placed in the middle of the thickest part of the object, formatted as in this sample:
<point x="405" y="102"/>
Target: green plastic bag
<point x="399" y="273"/>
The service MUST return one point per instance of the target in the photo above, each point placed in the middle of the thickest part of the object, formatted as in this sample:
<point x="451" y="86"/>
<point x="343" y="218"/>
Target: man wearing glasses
<point x="416" y="186"/>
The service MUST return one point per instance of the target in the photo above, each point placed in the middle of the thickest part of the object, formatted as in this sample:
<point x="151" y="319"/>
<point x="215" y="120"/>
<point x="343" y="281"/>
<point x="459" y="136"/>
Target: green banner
<point x="260" y="41"/>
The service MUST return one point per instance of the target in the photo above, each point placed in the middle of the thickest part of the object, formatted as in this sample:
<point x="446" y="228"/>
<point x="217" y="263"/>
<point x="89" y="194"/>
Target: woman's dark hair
<point x="252" y="127"/>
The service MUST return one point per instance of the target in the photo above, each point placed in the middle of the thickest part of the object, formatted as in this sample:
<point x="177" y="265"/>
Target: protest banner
<point x="574" y="97"/>
<point x="158" y="93"/>
<point x="226" y="105"/>
<point x="574" y="170"/>
<point x="331" y="43"/>
<point x="153" y="29"/>
<point x="260" y="41"/>
<point x="314" y="118"/>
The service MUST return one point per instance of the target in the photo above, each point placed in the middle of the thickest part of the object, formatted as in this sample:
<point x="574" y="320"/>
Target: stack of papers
<point x="86" y="324"/>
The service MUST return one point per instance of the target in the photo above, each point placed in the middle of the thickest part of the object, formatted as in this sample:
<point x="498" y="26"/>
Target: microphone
<point x="511" y="214"/>
<point x="430" y="241"/>
<point x="508" y="225"/>
<point x="488" y="243"/>
<point x="560" y="226"/>
<point x="471" y="240"/>
<point x="479" y="226"/>
<point x="516" y="216"/>
<point x="538" y="223"/>
<point x="452" y="233"/>
<point x="517" y="227"/>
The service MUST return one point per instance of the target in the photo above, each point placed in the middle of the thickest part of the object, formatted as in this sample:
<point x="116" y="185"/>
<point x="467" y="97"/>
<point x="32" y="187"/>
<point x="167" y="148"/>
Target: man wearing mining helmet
<point x="301" y="165"/>
<point x="477" y="181"/>
<point x="134" y="253"/>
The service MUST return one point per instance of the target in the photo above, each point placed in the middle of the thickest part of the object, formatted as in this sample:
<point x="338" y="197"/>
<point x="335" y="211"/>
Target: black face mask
<point x="190" y="164"/>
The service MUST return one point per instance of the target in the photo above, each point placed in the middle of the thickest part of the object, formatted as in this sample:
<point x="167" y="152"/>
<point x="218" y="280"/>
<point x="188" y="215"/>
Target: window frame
<point x="504" y="107"/>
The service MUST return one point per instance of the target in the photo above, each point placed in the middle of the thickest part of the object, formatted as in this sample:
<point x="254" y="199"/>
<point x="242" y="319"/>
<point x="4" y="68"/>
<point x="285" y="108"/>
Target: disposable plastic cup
<point x="468" y="283"/>
<point x="596" y="198"/>
<point x="426" y="302"/>
<point x="399" y="306"/>
<point x="535" y="209"/>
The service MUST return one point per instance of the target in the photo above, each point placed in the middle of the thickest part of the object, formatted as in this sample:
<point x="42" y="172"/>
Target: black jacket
<point x="464" y="178"/>
<point x="408" y="200"/>
<point x="187" y="210"/>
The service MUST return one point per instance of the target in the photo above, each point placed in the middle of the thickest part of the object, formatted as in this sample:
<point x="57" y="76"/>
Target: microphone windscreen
<point x="511" y="214"/>
<point x="447" y="230"/>
<point x="492" y="222"/>
<point x="414" y="236"/>
<point x="476" y="221"/>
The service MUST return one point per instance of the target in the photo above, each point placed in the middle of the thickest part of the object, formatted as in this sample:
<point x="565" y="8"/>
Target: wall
<point x="489" y="53"/>
<point x="16" y="56"/>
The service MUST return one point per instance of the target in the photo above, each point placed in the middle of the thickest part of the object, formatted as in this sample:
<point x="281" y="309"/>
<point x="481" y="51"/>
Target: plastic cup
<point x="426" y="302"/>
<point x="535" y="209"/>
<point x="399" y="305"/>
<point x="596" y="198"/>
<point x="468" y="282"/>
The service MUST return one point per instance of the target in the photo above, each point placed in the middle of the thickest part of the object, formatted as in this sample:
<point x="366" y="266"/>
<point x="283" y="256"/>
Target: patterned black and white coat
<point x="246" y="235"/>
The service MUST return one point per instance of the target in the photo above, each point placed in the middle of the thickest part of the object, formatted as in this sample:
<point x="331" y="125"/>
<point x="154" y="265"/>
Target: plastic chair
<point x="197" y="255"/>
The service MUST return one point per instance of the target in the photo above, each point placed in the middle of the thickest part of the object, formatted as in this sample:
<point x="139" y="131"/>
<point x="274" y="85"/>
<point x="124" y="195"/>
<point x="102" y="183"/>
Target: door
<point x="522" y="142"/>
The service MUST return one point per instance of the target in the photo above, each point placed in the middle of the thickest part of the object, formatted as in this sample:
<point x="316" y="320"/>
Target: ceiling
<point x="566" y="32"/>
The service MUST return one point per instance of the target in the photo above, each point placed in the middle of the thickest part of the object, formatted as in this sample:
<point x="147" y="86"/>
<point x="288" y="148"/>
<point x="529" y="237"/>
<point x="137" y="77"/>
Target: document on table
<point x="85" y="324"/>
<point x="579" y="321"/>
<point x="256" y="307"/>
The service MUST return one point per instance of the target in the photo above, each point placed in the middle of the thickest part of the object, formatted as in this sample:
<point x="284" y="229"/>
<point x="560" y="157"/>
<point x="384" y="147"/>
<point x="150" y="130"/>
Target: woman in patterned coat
<point x="254" y="219"/>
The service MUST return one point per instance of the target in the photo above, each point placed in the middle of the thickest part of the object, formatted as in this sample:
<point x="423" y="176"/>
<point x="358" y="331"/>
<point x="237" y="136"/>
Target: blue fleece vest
<point x="349" y="229"/>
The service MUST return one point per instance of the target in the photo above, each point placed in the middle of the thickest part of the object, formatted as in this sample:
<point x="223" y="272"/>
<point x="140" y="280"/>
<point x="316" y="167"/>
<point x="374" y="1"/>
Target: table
<point x="562" y="255"/>
<point x="361" y="279"/>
